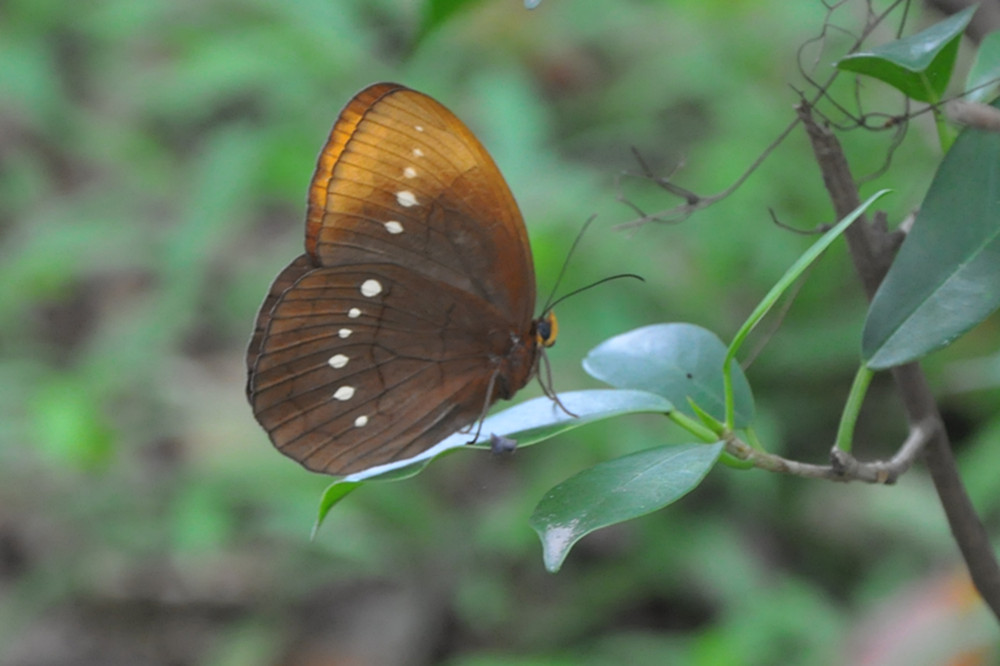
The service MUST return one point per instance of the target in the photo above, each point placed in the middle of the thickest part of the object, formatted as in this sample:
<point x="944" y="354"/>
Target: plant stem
<point x="871" y="252"/>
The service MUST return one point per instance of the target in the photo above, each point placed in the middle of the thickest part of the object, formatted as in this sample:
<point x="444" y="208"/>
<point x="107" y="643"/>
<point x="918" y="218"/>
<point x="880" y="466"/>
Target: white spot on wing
<point x="344" y="332"/>
<point x="406" y="198"/>
<point x="417" y="152"/>
<point x="371" y="288"/>
<point x="361" y="421"/>
<point x="354" y="313"/>
<point x="344" y="393"/>
<point x="419" y="128"/>
<point x="338" y="361"/>
<point x="409" y="172"/>
<point x="394" y="227"/>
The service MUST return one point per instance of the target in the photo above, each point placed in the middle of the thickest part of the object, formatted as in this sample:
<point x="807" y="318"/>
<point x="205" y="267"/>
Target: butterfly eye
<point x="546" y="329"/>
<point x="382" y="339"/>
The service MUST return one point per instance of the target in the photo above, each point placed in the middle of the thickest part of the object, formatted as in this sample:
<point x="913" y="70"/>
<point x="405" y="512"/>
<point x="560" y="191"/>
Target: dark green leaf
<point x="921" y="65"/>
<point x="615" y="491"/>
<point x="678" y="361"/>
<point x="946" y="278"/>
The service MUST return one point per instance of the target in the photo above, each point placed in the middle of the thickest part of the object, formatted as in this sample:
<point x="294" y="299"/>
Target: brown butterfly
<point x="411" y="311"/>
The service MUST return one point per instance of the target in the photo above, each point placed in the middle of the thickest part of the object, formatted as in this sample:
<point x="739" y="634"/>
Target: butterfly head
<point x="546" y="329"/>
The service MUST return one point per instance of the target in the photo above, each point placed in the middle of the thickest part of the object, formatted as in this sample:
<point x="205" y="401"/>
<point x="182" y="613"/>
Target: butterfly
<point x="412" y="309"/>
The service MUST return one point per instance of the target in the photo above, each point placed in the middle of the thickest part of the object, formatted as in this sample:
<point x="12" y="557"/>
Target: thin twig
<point x="685" y="210"/>
<point x="844" y="466"/>
<point x="887" y="471"/>
<point x="694" y="202"/>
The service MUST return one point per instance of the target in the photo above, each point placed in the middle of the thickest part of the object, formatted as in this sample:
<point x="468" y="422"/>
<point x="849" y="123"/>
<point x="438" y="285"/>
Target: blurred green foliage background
<point x="154" y="158"/>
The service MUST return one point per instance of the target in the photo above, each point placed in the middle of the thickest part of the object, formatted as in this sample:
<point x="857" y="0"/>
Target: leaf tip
<point x="557" y="540"/>
<point x="557" y="537"/>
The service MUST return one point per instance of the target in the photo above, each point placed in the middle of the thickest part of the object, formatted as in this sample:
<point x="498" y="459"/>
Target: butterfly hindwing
<point x="364" y="365"/>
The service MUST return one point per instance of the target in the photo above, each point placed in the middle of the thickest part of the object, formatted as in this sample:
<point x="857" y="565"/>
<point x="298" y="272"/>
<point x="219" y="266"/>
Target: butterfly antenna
<point x="545" y="375"/>
<point x="594" y="284"/>
<point x="569" y="255"/>
<point x="550" y="303"/>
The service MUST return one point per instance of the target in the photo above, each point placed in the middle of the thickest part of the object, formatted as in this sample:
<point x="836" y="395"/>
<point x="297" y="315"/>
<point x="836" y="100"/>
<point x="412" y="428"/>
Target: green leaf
<point x="615" y="491"/>
<point x="946" y="278"/>
<point x="335" y="492"/>
<point x="796" y="270"/>
<point x="780" y="287"/>
<point x="678" y="361"/>
<point x="984" y="76"/>
<point x="919" y="66"/>
<point x="527" y="423"/>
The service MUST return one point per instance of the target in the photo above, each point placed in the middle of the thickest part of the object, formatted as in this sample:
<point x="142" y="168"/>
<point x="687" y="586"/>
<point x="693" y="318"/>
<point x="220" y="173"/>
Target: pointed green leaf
<point x="615" y="491"/>
<point x="335" y="492"/>
<point x="527" y="423"/>
<point x="946" y="278"/>
<point x="921" y="65"/>
<point x="679" y="361"/>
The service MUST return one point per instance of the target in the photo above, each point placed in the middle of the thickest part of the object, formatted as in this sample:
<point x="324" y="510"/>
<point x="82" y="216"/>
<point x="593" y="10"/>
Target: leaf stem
<point x="849" y="417"/>
<point x="700" y="431"/>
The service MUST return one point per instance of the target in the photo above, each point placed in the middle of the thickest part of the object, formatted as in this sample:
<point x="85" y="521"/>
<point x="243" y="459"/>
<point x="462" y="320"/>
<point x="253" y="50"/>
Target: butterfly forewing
<point x="411" y="310"/>
<point x="413" y="185"/>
